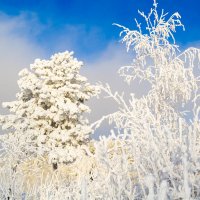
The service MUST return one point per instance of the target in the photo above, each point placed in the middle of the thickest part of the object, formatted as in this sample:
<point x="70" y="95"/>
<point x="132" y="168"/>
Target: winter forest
<point x="152" y="150"/>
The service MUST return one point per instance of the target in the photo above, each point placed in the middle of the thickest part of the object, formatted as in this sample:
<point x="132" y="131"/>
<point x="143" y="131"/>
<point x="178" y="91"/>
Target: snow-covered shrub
<point x="35" y="179"/>
<point x="162" y="139"/>
<point x="47" y="117"/>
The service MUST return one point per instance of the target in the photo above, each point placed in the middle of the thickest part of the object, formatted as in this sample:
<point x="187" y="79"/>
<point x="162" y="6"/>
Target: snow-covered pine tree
<point x="47" y="117"/>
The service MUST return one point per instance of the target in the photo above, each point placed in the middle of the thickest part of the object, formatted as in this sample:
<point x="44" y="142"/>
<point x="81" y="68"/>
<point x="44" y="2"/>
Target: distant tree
<point x="47" y="117"/>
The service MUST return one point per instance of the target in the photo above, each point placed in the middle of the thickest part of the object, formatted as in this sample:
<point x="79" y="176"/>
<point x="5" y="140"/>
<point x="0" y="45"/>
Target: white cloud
<point x="17" y="50"/>
<point x="104" y="69"/>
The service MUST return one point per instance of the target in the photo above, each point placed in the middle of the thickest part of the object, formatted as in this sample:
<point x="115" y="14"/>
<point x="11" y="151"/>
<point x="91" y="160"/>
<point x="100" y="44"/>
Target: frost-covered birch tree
<point x="47" y="117"/>
<point x="160" y="130"/>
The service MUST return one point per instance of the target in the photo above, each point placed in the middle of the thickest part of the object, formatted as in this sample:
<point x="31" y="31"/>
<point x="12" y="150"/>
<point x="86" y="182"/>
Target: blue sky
<point x="32" y="29"/>
<point x="86" y="26"/>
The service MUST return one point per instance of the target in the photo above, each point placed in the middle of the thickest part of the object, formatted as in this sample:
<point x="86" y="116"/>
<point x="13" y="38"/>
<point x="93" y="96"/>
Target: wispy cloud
<point x="17" y="50"/>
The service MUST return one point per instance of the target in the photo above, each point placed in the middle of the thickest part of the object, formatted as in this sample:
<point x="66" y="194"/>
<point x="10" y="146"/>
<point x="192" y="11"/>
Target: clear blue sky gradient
<point x="97" y="16"/>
